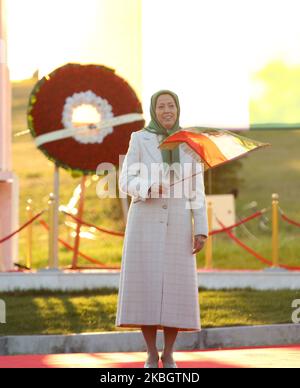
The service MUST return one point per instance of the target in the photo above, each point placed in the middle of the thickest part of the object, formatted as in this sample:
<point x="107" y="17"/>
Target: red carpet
<point x="270" y="357"/>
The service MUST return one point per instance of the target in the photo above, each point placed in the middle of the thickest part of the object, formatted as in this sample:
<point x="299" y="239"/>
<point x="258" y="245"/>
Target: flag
<point x="212" y="146"/>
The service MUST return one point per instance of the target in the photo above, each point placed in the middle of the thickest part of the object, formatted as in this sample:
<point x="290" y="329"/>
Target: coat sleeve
<point x="133" y="179"/>
<point x="198" y="202"/>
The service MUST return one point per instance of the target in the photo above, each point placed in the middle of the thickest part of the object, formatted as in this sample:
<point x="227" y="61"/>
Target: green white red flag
<point x="212" y="146"/>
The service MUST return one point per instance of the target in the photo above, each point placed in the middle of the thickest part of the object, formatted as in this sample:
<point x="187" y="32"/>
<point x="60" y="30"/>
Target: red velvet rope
<point x="225" y="229"/>
<point x="289" y="220"/>
<point x="255" y="254"/>
<point x="257" y="214"/>
<point x="243" y="221"/>
<point x="111" y="232"/>
<point x="22" y="227"/>
<point x="88" y="258"/>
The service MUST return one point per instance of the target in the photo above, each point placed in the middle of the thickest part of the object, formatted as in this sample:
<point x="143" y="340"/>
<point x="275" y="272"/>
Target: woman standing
<point x="158" y="282"/>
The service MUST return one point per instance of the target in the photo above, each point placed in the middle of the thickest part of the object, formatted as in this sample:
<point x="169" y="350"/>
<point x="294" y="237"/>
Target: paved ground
<point x="270" y="357"/>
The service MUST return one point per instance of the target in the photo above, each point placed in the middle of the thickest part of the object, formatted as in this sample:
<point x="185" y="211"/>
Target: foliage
<point x="279" y="98"/>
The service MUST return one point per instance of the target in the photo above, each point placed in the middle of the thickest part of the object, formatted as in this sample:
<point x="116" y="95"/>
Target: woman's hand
<point x="199" y="241"/>
<point x="158" y="189"/>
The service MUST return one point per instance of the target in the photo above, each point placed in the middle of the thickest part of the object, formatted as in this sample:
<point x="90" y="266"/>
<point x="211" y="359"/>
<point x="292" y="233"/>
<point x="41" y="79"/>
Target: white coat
<point x="158" y="279"/>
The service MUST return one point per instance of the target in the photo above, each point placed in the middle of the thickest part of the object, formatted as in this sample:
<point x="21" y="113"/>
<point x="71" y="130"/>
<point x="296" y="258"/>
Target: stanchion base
<point x="275" y="269"/>
<point x="49" y="270"/>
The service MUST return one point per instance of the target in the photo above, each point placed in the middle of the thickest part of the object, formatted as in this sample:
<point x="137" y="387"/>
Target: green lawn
<point x="95" y="311"/>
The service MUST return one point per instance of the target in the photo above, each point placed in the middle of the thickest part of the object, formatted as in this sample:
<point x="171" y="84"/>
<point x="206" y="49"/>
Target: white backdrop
<point x="206" y="51"/>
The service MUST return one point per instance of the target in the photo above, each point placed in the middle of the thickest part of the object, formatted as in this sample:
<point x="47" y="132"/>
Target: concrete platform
<point x="132" y="341"/>
<point x="67" y="280"/>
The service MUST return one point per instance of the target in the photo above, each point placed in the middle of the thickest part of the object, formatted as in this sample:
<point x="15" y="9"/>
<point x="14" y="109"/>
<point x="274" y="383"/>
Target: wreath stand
<point x="91" y="113"/>
<point x="54" y="222"/>
<point x="79" y="215"/>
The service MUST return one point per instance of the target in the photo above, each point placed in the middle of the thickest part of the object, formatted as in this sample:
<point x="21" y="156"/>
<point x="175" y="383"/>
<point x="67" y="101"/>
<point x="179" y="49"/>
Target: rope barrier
<point x="292" y="222"/>
<point x="226" y="229"/>
<point x="22" y="227"/>
<point x="243" y="221"/>
<point x="88" y="258"/>
<point x="111" y="232"/>
<point x="121" y="234"/>
<point x="255" y="254"/>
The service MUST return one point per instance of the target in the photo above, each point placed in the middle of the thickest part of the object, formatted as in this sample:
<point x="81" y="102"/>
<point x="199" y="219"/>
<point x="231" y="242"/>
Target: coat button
<point x="165" y="207"/>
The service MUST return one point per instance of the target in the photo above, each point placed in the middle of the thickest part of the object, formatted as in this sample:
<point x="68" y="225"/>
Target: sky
<point x="204" y="50"/>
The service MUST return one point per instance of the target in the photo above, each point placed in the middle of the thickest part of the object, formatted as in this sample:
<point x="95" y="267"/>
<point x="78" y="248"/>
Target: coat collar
<point x="148" y="136"/>
<point x="151" y="142"/>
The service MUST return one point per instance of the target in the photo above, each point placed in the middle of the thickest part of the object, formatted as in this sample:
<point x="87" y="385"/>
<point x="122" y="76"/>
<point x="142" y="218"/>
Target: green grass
<point x="47" y="312"/>
<point x="274" y="169"/>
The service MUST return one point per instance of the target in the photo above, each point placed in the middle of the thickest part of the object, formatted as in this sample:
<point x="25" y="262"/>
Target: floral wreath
<point x="80" y="148"/>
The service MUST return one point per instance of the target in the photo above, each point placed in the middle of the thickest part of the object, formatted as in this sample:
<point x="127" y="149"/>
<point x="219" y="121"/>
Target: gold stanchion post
<point x="29" y="234"/>
<point x="275" y="230"/>
<point x="208" y="247"/>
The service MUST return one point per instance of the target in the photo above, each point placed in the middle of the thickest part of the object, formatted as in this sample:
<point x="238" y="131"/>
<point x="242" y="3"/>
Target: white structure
<point x="9" y="190"/>
<point x="224" y="208"/>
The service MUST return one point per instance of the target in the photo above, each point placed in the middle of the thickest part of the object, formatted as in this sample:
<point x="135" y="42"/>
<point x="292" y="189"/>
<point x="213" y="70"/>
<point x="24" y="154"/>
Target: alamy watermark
<point x="296" y="312"/>
<point x="135" y="179"/>
<point x="2" y="311"/>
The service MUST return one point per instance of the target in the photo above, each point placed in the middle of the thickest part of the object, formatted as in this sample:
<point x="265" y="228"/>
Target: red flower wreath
<point x="45" y="115"/>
